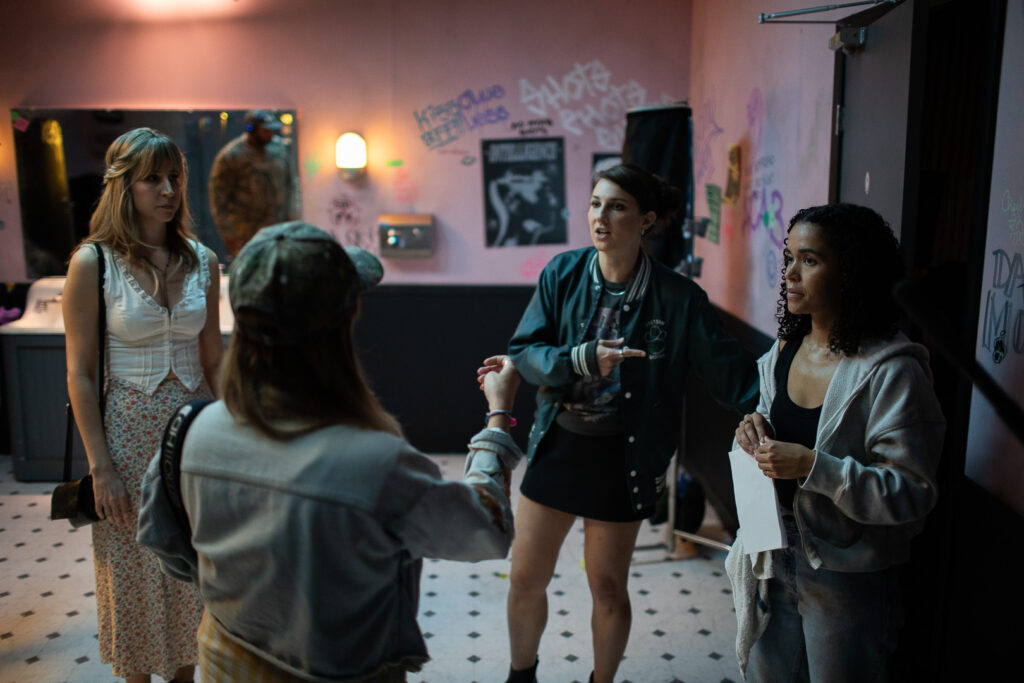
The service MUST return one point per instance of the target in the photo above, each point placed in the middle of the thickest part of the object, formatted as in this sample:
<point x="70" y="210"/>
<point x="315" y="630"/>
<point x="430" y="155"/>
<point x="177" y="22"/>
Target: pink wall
<point x="768" y="90"/>
<point x="365" y="67"/>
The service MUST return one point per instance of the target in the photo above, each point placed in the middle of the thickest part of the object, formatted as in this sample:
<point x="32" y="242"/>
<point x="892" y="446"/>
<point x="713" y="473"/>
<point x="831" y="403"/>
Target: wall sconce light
<point x="350" y="155"/>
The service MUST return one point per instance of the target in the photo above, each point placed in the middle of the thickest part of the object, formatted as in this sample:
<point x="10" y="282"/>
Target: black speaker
<point x="660" y="139"/>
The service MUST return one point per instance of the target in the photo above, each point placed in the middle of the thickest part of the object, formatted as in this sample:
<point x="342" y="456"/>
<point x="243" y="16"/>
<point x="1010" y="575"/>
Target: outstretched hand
<point x="499" y="381"/>
<point x="492" y="364"/>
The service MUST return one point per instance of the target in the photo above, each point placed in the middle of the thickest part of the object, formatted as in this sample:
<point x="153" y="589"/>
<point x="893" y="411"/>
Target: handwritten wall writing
<point x="771" y="268"/>
<point x="1014" y="210"/>
<point x="345" y="217"/>
<point x="765" y="204"/>
<point x="531" y="268"/>
<point x="1003" y="322"/>
<point x="707" y="130"/>
<point x="406" y="191"/>
<point x="585" y="99"/>
<point x="755" y="119"/>
<point x="442" y="124"/>
<point x="532" y="127"/>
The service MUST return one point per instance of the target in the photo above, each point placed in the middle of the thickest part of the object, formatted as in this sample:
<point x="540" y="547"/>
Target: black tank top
<point x="792" y="423"/>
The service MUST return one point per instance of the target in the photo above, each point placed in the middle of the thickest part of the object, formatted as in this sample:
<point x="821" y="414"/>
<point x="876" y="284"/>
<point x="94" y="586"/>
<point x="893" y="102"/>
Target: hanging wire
<point x="774" y="17"/>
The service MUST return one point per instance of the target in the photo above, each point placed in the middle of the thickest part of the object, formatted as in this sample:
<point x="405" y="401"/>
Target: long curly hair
<point x="870" y="264"/>
<point x="132" y="156"/>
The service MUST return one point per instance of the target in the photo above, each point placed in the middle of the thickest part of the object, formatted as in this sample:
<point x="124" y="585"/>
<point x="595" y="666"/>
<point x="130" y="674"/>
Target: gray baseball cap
<point x="294" y="280"/>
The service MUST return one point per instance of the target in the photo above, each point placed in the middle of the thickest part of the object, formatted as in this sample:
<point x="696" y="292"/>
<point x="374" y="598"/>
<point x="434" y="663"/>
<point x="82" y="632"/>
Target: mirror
<point x="60" y="159"/>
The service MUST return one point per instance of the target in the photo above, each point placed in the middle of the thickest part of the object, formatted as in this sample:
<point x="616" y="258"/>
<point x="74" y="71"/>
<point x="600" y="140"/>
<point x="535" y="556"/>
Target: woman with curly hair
<point x="850" y="431"/>
<point x="163" y="347"/>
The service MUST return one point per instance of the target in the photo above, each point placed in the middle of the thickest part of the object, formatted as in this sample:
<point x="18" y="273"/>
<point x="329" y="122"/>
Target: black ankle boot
<point x="523" y="675"/>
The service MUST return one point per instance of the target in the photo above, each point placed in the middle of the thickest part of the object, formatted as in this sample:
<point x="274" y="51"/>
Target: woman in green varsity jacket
<point x="609" y="337"/>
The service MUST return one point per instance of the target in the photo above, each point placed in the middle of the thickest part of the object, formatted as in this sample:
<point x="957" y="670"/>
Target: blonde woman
<point x="163" y="346"/>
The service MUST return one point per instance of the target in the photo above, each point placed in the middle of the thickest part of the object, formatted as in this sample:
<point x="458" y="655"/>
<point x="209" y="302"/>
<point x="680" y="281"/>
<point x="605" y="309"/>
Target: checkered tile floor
<point x="683" y="621"/>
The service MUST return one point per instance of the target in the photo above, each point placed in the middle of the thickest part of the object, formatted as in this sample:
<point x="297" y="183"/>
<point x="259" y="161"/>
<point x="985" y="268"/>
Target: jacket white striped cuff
<point x="584" y="359"/>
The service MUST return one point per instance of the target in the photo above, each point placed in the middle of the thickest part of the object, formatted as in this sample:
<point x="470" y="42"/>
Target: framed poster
<point x="524" y="191"/>
<point x="602" y="161"/>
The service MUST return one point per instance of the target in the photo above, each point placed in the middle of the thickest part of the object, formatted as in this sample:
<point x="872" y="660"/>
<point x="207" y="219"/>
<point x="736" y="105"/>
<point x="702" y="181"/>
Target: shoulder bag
<point x="74" y="500"/>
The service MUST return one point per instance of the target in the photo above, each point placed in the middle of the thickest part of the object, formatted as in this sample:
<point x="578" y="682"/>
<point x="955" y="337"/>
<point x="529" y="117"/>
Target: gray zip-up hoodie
<point x="873" y="480"/>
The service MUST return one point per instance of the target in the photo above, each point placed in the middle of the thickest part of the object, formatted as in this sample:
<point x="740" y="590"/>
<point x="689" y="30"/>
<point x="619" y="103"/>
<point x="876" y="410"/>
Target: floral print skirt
<point x="147" y="620"/>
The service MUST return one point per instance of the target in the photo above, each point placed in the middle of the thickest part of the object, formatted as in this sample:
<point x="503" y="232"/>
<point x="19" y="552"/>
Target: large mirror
<point x="60" y="158"/>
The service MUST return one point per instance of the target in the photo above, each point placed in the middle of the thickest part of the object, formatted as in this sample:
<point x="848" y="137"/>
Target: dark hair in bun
<point x="651" y="192"/>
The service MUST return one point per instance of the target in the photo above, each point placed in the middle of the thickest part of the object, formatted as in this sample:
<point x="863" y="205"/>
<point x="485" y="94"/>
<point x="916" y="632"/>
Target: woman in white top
<point x="160" y="291"/>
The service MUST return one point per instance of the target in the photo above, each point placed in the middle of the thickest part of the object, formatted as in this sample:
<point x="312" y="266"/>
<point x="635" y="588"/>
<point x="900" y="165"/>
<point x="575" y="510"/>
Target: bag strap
<point x="101" y="375"/>
<point x="170" y="457"/>
<point x="69" y="440"/>
<point x="101" y="326"/>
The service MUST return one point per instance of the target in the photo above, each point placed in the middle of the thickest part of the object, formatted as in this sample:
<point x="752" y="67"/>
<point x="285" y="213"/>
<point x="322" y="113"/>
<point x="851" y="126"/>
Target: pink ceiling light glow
<point x="157" y="10"/>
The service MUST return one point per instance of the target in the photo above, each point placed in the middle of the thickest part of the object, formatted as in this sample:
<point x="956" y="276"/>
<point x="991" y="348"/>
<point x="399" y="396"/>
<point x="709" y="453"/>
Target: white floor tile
<point x="683" y="621"/>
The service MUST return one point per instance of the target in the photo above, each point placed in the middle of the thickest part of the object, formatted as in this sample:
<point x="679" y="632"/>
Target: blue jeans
<point x="826" y="626"/>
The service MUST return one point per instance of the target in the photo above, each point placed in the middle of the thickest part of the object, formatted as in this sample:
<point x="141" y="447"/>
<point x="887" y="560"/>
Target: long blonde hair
<point x="132" y="156"/>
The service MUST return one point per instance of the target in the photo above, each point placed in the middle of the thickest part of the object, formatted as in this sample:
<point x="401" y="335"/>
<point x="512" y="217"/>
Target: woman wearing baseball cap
<point x="309" y="512"/>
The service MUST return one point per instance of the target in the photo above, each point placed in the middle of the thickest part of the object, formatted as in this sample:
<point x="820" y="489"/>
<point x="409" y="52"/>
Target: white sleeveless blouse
<point x="145" y="341"/>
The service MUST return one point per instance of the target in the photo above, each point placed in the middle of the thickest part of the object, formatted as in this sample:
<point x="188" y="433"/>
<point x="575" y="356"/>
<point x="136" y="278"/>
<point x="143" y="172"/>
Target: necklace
<point x="167" y="263"/>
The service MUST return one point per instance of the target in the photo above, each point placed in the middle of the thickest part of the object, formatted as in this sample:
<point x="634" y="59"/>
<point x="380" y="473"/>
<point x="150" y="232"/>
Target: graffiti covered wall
<point x="995" y="459"/>
<point x="761" y="96"/>
<point x="424" y="83"/>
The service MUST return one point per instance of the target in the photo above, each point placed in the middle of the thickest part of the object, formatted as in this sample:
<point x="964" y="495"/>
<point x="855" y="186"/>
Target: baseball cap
<point x="263" y="119"/>
<point x="293" y="280"/>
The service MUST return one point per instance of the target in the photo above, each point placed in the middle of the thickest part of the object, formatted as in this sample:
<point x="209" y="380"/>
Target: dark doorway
<point x="918" y="113"/>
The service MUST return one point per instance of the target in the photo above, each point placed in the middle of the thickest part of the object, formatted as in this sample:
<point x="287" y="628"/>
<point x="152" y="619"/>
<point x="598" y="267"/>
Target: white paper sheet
<point x="756" y="504"/>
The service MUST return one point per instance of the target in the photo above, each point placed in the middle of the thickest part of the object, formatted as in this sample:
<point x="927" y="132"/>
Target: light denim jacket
<point x="308" y="552"/>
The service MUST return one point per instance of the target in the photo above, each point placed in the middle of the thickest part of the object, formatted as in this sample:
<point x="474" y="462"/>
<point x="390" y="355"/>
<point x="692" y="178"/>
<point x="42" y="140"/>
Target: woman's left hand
<point x="784" y="460"/>
<point x="611" y="352"/>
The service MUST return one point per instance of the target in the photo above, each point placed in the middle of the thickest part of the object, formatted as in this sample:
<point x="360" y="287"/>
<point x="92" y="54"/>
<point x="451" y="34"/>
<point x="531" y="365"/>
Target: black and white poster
<point x="524" y="191"/>
<point x="602" y="161"/>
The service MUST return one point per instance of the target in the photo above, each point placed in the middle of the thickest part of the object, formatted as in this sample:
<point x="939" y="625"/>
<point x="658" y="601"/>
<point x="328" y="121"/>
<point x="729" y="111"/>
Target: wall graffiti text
<point x="1002" y="327"/>
<point x="442" y="124"/>
<point x="585" y="98"/>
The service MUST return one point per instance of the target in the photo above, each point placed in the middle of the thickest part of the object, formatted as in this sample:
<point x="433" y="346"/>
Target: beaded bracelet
<point x="511" y="420"/>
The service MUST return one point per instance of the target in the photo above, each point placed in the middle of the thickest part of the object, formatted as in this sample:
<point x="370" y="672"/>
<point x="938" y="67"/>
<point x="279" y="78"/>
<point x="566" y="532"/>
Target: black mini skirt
<point x="581" y="475"/>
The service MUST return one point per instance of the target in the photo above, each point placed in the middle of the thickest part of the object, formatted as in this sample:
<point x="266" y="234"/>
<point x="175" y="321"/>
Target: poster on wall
<point x="524" y="191"/>
<point x="995" y="458"/>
